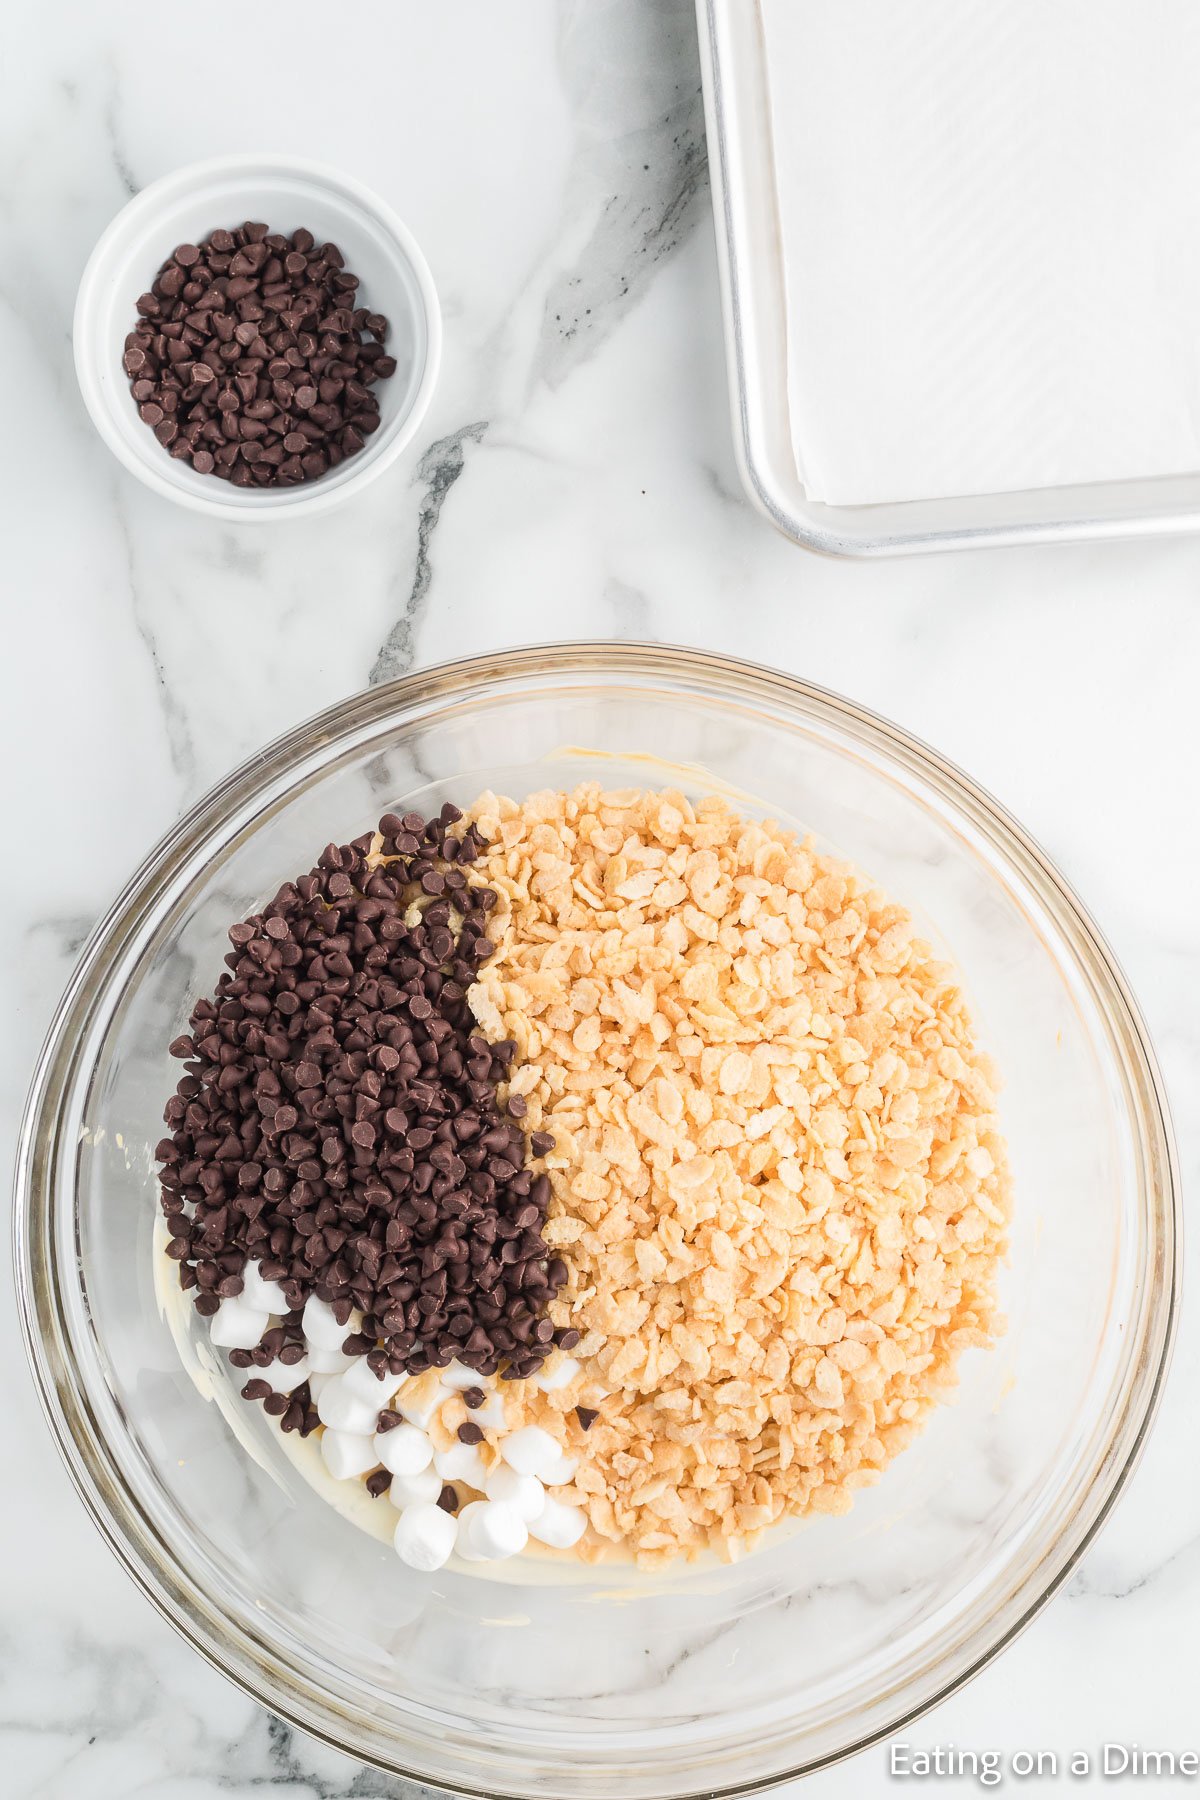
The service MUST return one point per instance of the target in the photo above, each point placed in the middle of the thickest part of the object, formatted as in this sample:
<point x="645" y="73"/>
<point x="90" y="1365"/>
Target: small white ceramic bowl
<point x="286" y="193"/>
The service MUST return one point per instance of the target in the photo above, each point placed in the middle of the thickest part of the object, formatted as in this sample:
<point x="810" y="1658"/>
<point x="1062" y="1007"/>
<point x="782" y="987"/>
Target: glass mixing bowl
<point x="714" y="1680"/>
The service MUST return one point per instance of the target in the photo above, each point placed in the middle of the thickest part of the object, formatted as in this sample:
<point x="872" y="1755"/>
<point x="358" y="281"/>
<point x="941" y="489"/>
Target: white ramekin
<point x="286" y="193"/>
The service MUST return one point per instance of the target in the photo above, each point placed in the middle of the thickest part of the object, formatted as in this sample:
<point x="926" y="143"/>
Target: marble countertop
<point x="575" y="477"/>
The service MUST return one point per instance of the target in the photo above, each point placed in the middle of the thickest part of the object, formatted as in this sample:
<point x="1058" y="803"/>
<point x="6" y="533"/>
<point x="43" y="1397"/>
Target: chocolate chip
<point x="378" y="1483"/>
<point x="470" y="1433"/>
<point x="587" y="1416"/>
<point x="473" y="1397"/>
<point x="267" y="317"/>
<point x="338" y="1122"/>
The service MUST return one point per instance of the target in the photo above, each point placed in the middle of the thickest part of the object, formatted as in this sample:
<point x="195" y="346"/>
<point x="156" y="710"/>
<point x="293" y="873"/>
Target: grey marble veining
<point x="437" y="471"/>
<point x="574" y="478"/>
<point x="638" y="176"/>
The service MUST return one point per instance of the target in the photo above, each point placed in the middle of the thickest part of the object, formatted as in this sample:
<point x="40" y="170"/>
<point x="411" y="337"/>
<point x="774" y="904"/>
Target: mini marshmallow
<point x="322" y="1329"/>
<point x="343" y="1409"/>
<point x="282" y="1376"/>
<point x="523" y="1493"/>
<point x="317" y="1383"/>
<point x="493" y="1531"/>
<point x="264" y="1296"/>
<point x="559" y="1372"/>
<point x="461" y="1462"/>
<point x="236" y="1326"/>
<point x="415" y="1490"/>
<point x="530" y="1451"/>
<point x="463" y="1548"/>
<point x="328" y="1362"/>
<point x="420" y="1398"/>
<point x="405" y="1451"/>
<point x="561" y="1472"/>
<point x="558" y="1526"/>
<point x="425" y="1537"/>
<point x="347" y="1454"/>
<point x="457" y="1376"/>
<point x="491" y="1415"/>
<point x="362" y="1380"/>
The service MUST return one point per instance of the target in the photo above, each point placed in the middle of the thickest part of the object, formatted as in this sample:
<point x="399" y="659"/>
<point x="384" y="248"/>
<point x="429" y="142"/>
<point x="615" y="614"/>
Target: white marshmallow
<point x="558" y="1526"/>
<point x="328" y="1362"/>
<point x="347" y="1454"/>
<point x="561" y="1472"/>
<point x="530" y="1451"/>
<point x="463" y="1548"/>
<point x="491" y="1415"/>
<point x="344" y="1410"/>
<point x="420" y="1398"/>
<point x="425" y="1537"/>
<point x="236" y="1326"/>
<point x="557" y="1372"/>
<point x="493" y="1531"/>
<point x="415" y="1490"/>
<point x="458" y="1377"/>
<point x="317" y="1383"/>
<point x="362" y="1380"/>
<point x="264" y="1296"/>
<point x="282" y="1376"/>
<point x="405" y="1451"/>
<point x="322" y="1329"/>
<point x="523" y="1493"/>
<point x="461" y="1462"/>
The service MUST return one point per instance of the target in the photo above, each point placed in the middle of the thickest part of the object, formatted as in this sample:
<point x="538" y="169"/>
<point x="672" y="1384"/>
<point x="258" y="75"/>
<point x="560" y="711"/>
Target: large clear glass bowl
<point x="717" y="1680"/>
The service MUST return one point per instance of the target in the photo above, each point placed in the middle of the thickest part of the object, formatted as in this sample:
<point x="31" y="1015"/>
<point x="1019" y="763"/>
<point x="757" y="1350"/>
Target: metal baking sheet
<point x="749" y="254"/>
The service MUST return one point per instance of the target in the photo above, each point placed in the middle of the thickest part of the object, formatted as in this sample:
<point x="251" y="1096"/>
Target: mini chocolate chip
<point x="242" y="307"/>
<point x="378" y="1483"/>
<point x="338" y="1122"/>
<point x="470" y="1433"/>
<point x="587" y="1416"/>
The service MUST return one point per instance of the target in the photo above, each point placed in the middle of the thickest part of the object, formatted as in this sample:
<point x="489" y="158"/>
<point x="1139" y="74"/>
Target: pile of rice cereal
<point x="778" y="1180"/>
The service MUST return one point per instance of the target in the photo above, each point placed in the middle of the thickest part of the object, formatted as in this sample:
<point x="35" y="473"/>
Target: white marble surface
<point x="574" y="477"/>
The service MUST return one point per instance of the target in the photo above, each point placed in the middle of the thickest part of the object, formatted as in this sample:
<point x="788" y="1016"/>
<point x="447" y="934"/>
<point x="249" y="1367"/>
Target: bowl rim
<point x="392" y="437"/>
<point x="83" y="1451"/>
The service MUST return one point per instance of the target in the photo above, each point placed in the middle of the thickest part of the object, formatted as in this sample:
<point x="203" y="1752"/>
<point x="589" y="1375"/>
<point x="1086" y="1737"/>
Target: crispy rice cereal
<point x="778" y="1178"/>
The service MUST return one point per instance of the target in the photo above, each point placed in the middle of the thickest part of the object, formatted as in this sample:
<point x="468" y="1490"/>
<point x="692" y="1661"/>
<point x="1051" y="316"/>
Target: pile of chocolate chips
<point x="338" y="1122"/>
<point x="252" y="361"/>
